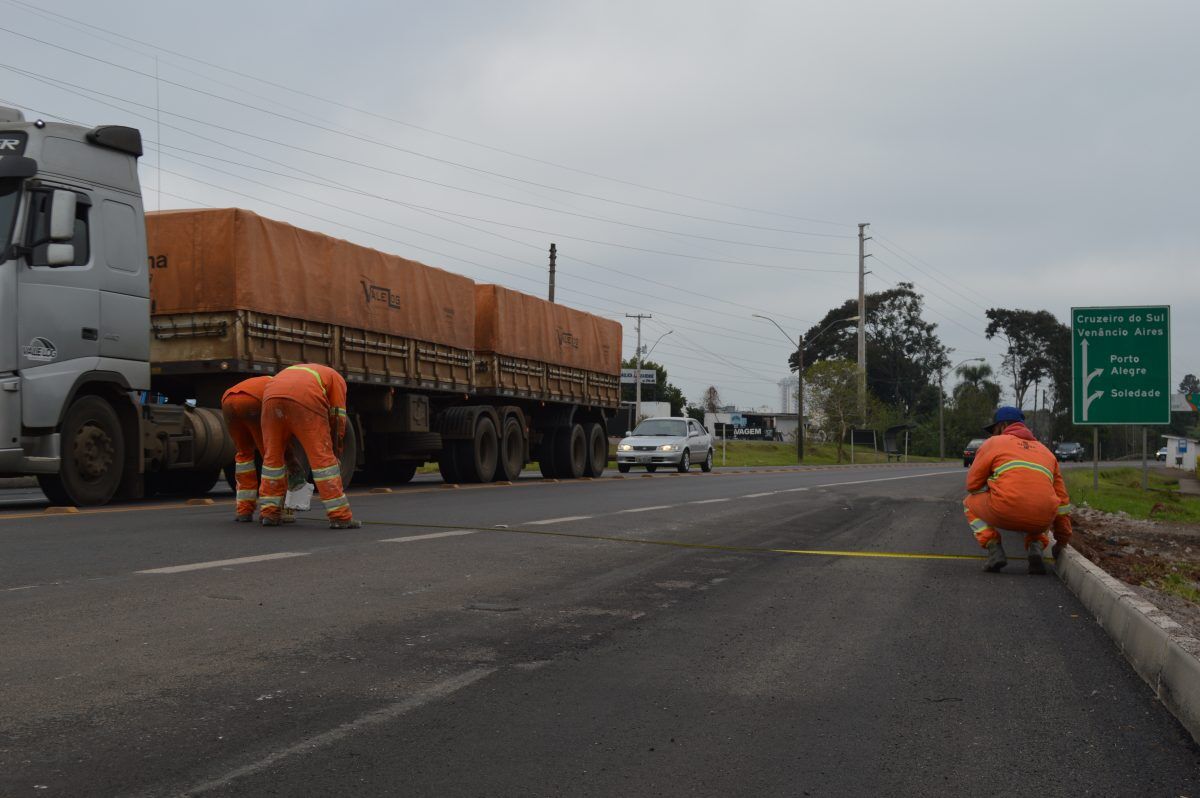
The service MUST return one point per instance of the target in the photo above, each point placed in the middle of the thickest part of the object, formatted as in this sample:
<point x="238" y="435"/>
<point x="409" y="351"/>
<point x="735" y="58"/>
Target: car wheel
<point x="651" y="469"/>
<point x="707" y="465"/>
<point x="685" y="462"/>
<point x="623" y="468"/>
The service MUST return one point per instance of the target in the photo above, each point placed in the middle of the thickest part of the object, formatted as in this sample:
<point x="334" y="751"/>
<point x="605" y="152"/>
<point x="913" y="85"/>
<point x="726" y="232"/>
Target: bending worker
<point x="307" y="401"/>
<point x="242" y="407"/>
<point x="1015" y="484"/>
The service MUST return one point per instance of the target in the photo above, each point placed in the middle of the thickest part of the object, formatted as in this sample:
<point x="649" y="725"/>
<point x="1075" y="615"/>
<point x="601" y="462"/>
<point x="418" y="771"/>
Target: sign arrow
<point x="1087" y="380"/>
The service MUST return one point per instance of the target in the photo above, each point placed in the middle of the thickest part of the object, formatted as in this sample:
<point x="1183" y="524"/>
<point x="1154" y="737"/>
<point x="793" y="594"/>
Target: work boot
<point x="1037" y="565"/>
<point x="354" y="524"/>
<point x="996" y="557"/>
<point x="267" y="520"/>
<point x="244" y="519"/>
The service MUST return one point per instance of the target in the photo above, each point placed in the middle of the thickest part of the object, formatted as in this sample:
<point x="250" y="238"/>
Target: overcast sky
<point x="1020" y="154"/>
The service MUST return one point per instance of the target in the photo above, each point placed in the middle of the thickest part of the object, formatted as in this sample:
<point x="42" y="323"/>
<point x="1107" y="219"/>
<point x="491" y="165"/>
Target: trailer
<point x="124" y="328"/>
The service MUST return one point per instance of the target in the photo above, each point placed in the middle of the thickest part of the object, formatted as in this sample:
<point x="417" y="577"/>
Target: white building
<point x="1181" y="452"/>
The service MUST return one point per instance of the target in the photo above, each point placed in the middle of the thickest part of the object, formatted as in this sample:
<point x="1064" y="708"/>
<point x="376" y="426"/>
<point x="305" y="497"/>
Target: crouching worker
<point x="308" y="402"/>
<point x="242" y="408"/>
<point x="1015" y="484"/>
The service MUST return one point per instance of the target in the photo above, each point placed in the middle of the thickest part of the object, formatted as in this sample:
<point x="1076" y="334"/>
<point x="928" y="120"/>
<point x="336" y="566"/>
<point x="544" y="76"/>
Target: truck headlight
<point x="625" y="447"/>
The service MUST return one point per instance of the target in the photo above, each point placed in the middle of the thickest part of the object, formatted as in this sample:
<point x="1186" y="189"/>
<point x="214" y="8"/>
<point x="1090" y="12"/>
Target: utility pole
<point x="862" y="322"/>
<point x="637" y="381"/>
<point x="553" y="256"/>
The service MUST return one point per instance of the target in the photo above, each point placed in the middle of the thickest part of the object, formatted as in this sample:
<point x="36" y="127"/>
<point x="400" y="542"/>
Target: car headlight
<point x="669" y="447"/>
<point x="625" y="447"/>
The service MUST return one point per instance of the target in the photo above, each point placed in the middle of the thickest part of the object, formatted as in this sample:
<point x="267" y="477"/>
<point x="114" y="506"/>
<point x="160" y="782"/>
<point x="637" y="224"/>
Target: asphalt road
<point x="666" y="635"/>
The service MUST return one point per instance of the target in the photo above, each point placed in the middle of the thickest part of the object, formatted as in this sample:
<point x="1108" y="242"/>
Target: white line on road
<point x="562" y="520"/>
<point x="758" y="495"/>
<point x="200" y="566"/>
<point x="648" y="509"/>
<point x="709" y="501"/>
<point x="888" y="479"/>
<point x="431" y="536"/>
<point x="792" y="490"/>
<point x="373" y="718"/>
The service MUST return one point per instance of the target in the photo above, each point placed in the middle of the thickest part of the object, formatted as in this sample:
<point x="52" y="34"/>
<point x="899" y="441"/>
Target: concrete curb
<point x="1167" y="659"/>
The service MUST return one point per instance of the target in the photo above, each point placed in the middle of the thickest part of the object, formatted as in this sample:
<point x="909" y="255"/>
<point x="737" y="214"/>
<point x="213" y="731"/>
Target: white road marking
<point x="793" y="490"/>
<point x="709" y="501"/>
<point x="758" y="495"/>
<point x="200" y="566"/>
<point x="431" y="536"/>
<point x="23" y="587"/>
<point x="374" y="718"/>
<point x="562" y="520"/>
<point x="889" y="479"/>
<point x="647" y="509"/>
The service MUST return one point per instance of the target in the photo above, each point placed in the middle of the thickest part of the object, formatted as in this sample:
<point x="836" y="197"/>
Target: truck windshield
<point x="10" y="192"/>
<point x="662" y="426"/>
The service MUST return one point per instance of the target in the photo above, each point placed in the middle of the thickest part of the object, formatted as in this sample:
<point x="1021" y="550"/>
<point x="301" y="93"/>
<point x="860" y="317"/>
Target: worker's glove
<point x="1057" y="550"/>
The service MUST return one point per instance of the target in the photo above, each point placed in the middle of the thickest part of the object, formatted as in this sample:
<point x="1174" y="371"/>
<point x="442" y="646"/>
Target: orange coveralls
<point x="242" y="408"/>
<point x="307" y="401"/>
<point x="1015" y="484"/>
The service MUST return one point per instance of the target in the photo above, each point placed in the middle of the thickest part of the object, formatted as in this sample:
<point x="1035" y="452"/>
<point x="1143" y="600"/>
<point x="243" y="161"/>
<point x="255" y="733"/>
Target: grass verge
<point x="1120" y="490"/>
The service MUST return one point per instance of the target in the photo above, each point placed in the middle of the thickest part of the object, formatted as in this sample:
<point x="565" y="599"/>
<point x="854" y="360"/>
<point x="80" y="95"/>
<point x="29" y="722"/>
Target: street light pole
<point x="800" y="344"/>
<point x="941" y="401"/>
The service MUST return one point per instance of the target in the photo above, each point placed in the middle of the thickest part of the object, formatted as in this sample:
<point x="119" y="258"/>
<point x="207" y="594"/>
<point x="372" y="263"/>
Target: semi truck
<point x="120" y="330"/>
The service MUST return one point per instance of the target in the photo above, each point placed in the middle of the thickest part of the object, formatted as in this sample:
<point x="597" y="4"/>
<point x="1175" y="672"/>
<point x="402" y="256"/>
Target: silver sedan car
<point x="677" y="442"/>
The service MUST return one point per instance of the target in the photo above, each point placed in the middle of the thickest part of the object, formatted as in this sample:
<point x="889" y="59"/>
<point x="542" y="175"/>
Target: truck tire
<point x="401" y="472"/>
<point x="448" y="463"/>
<point x="546" y="453"/>
<point x="512" y="451"/>
<point x="570" y="452"/>
<point x="477" y="457"/>
<point x="93" y="455"/>
<point x="597" y="450"/>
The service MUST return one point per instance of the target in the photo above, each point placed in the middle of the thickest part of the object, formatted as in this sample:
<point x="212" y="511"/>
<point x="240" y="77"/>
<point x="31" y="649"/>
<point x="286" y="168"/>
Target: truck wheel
<point x="402" y="472"/>
<point x="570" y="452"/>
<point x="448" y="463"/>
<point x="477" y="457"/>
<point x="512" y="451"/>
<point x="546" y="456"/>
<point x="597" y="450"/>
<point x="93" y="454"/>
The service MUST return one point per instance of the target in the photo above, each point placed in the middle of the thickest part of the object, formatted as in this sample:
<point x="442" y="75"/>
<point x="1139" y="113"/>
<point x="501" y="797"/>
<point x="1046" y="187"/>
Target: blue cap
<point x="1005" y="413"/>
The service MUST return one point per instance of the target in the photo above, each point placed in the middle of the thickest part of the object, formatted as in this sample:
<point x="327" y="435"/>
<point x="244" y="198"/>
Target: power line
<point x="396" y="148"/>
<point x="60" y="84"/>
<point x="40" y="11"/>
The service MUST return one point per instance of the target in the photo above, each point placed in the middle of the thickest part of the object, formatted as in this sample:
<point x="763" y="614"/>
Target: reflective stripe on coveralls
<point x="282" y="420"/>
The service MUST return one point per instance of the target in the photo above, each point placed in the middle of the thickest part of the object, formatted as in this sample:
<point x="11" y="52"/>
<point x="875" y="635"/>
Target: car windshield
<point x="975" y="444"/>
<point x="1069" y="447"/>
<point x="10" y="192"/>
<point x="662" y="427"/>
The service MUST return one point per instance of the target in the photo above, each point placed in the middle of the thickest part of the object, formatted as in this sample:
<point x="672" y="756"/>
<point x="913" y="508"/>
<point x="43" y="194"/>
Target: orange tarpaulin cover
<point x="231" y="259"/>
<point x="519" y="325"/>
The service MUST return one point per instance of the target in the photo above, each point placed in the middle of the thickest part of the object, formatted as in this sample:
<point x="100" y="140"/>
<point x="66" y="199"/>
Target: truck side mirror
<point x="62" y="217"/>
<point x="60" y="254"/>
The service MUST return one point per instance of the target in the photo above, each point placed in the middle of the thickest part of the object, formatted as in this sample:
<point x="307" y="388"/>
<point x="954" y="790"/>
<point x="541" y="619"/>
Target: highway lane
<point x="502" y="662"/>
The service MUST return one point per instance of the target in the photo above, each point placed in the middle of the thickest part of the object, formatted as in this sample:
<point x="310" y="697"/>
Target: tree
<point x="712" y="399"/>
<point x="833" y="388"/>
<point x="903" y="350"/>
<point x="1038" y="348"/>
<point x="1189" y="384"/>
<point x="976" y="381"/>
<point x="660" y="391"/>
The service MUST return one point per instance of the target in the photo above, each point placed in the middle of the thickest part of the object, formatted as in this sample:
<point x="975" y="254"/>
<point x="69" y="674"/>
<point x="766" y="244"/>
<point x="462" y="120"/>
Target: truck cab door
<point x="58" y="310"/>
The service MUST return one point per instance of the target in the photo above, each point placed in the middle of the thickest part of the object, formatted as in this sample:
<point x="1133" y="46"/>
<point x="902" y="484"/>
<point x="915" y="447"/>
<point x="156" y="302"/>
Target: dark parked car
<point x="1069" y="451"/>
<point x="969" y="451"/>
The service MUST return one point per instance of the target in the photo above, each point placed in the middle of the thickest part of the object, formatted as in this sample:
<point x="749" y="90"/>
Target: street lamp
<point x="664" y="335"/>
<point x="800" y="344"/>
<point x="941" y="395"/>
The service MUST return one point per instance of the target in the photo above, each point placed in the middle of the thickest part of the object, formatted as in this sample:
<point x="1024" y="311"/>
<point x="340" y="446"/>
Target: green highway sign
<point x="1121" y="365"/>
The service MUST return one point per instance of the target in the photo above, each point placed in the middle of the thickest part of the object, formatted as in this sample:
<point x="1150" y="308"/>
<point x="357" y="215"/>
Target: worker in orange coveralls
<point x="307" y="401"/>
<point x="242" y="408"/>
<point x="1015" y="484"/>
